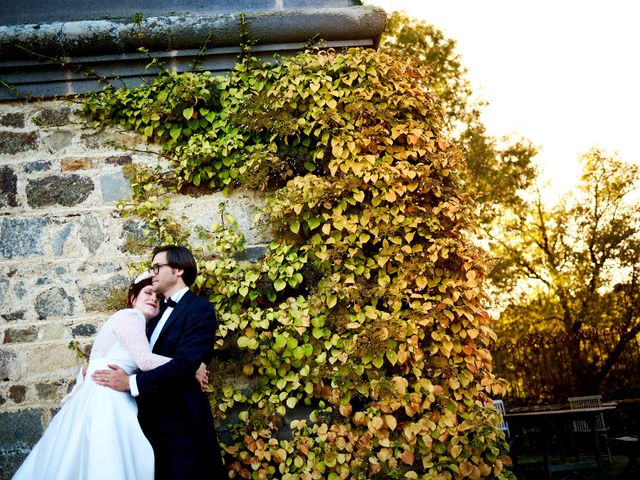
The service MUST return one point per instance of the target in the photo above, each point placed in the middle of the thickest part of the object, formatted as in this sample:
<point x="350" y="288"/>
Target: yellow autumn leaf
<point x="376" y="423"/>
<point x="391" y="421"/>
<point x="390" y="196"/>
<point x="456" y="450"/>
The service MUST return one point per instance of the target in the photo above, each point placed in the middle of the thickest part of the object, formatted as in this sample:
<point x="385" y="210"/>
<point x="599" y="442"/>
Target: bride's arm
<point x="130" y="330"/>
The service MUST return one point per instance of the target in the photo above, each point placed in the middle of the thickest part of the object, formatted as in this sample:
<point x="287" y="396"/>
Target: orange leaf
<point x="407" y="457"/>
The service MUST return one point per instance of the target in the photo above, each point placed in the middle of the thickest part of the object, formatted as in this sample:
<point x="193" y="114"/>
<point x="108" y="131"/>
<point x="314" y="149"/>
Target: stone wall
<point x="62" y="253"/>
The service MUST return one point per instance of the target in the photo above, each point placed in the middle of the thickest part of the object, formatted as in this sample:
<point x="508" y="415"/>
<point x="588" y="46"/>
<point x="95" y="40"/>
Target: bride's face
<point x="147" y="302"/>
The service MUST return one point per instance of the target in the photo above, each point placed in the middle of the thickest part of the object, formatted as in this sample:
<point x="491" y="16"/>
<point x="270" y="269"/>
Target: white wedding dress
<point x="96" y="435"/>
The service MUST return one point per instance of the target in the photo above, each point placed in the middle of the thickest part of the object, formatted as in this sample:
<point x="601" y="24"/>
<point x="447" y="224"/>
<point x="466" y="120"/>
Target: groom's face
<point x="165" y="280"/>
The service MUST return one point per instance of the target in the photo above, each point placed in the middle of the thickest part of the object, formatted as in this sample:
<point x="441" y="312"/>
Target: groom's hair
<point x="182" y="258"/>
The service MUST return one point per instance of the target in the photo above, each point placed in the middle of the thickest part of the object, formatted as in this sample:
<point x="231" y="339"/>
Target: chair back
<point x="504" y="426"/>
<point x="589" y="401"/>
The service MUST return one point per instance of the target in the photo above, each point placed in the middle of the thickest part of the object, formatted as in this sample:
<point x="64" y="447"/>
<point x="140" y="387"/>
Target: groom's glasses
<point x="156" y="268"/>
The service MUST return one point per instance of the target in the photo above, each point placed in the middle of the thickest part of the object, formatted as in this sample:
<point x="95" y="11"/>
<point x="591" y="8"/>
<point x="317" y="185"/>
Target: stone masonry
<point x="62" y="253"/>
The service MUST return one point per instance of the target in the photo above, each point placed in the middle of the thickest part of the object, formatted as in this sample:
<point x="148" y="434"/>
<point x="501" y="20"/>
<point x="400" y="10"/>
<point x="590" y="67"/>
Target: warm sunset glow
<point x="562" y="73"/>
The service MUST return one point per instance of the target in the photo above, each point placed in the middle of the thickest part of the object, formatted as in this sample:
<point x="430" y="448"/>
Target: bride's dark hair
<point x="135" y="289"/>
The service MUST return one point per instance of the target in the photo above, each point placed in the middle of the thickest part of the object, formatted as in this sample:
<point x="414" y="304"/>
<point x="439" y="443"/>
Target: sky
<point x="563" y="73"/>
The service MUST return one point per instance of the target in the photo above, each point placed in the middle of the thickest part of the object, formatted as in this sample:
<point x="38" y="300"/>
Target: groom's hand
<point x="115" y="378"/>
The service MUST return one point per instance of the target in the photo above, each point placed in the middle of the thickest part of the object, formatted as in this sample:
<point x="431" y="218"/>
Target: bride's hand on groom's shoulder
<point x="115" y="378"/>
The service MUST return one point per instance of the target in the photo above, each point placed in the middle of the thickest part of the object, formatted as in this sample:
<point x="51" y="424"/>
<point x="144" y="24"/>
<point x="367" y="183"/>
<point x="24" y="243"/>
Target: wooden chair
<point x="504" y="426"/>
<point x="582" y="426"/>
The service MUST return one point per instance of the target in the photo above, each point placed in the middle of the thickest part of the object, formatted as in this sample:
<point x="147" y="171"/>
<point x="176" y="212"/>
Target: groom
<point x="173" y="411"/>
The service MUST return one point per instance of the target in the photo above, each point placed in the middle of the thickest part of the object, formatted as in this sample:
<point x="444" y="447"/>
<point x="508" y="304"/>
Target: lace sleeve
<point x="130" y="331"/>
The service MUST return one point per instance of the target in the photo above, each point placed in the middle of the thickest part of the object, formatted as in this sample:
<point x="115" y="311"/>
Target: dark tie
<point x="169" y="302"/>
<point x="166" y="303"/>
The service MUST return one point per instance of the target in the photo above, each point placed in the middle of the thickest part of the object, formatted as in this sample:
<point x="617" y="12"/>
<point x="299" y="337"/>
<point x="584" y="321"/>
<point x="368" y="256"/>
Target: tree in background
<point x="574" y="267"/>
<point x="498" y="168"/>
<point x="563" y="269"/>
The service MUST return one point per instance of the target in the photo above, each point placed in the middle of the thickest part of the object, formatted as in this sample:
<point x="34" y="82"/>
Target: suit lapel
<point x="151" y="325"/>
<point x="175" y="314"/>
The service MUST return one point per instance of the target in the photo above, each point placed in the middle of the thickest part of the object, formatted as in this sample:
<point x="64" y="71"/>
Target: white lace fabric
<point x="122" y="339"/>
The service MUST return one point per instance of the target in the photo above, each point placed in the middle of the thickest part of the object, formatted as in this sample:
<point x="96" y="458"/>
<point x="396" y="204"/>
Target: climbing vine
<point x="363" y="320"/>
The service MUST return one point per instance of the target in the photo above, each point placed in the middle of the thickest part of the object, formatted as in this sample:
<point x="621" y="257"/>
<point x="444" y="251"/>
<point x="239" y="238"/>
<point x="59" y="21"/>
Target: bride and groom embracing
<point x="96" y="435"/>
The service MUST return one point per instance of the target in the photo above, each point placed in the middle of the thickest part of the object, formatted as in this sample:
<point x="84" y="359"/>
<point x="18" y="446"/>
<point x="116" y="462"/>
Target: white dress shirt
<point x="176" y="297"/>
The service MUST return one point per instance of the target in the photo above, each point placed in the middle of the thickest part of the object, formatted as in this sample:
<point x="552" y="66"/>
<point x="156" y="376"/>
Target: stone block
<point x="118" y="160"/>
<point x="91" y="233"/>
<point x="91" y="267"/>
<point x="10" y="461"/>
<point x="8" y="187"/>
<point x="54" y="302"/>
<point x="7" y="357"/>
<point x="83" y="330"/>
<point x="51" y="391"/>
<point x="17" y="142"/>
<point x="37" y="166"/>
<point x="252" y="254"/>
<point x="107" y="138"/>
<point x="64" y="190"/>
<point x="52" y="117"/>
<point x="21" y="237"/>
<point x="53" y="331"/>
<point x="13" y="316"/>
<point x="20" y="335"/>
<point x="59" y="140"/>
<point x="20" y="430"/>
<point x="134" y="237"/>
<point x="59" y="237"/>
<point x="96" y="297"/>
<point x="17" y="393"/>
<point x="13" y="119"/>
<point x="93" y="140"/>
<point x="19" y="290"/>
<point x="115" y="186"/>
<point x="50" y="359"/>
<point x="204" y="211"/>
<point x="73" y="164"/>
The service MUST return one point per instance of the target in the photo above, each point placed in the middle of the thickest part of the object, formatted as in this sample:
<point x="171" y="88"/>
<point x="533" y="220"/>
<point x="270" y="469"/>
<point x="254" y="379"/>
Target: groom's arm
<point x="193" y="346"/>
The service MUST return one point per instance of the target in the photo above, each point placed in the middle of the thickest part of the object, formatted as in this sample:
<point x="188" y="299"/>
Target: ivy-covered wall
<point x="364" y="318"/>
<point x="334" y="236"/>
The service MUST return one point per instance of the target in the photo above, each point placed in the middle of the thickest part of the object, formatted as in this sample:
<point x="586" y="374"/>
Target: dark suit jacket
<point x="173" y="411"/>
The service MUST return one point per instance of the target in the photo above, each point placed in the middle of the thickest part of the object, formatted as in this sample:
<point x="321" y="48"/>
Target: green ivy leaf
<point x="378" y="361"/>
<point x="331" y="301"/>
<point x="175" y="131"/>
<point x="314" y="222"/>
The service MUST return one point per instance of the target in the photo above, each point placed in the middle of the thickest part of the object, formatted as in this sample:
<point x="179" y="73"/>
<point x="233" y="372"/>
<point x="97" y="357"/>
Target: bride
<point x="96" y="435"/>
